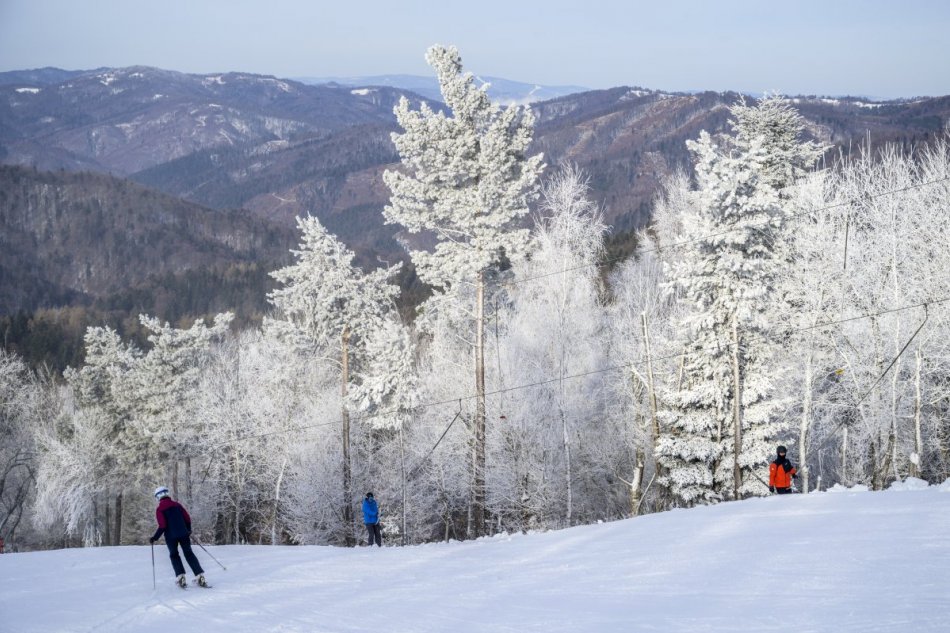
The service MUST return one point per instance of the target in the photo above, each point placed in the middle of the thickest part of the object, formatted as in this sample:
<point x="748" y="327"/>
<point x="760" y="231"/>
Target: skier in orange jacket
<point x="781" y="473"/>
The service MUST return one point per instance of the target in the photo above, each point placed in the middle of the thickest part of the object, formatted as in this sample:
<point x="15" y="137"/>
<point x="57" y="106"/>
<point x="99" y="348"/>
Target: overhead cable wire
<point x="830" y="436"/>
<point x="674" y="245"/>
<point x="762" y="336"/>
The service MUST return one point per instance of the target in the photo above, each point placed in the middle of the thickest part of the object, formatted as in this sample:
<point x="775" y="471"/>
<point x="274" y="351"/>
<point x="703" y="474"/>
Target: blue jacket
<point x="370" y="511"/>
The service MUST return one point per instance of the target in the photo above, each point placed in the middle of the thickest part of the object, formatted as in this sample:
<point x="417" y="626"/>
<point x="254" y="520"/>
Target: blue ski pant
<point x="185" y="543"/>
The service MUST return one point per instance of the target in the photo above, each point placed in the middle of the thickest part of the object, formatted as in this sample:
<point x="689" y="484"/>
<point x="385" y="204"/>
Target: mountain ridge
<point x="268" y="150"/>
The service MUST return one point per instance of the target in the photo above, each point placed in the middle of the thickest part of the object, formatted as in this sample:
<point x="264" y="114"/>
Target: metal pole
<point x="210" y="554"/>
<point x="153" y="564"/>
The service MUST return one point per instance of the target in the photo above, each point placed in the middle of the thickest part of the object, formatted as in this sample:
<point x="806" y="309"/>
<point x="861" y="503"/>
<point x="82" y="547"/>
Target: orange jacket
<point x="779" y="477"/>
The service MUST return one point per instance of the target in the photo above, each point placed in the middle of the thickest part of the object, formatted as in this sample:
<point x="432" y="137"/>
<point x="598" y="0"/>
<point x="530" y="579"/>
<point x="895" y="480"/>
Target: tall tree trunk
<point x="188" y="490"/>
<point x="640" y="425"/>
<point x="889" y="453"/>
<point x="875" y="467"/>
<point x="108" y="535"/>
<point x="844" y="457"/>
<point x="273" y="525"/>
<point x="95" y="520"/>
<point x="654" y="420"/>
<point x="402" y="472"/>
<point x="479" y="493"/>
<point x="117" y="537"/>
<point x="891" y="460"/>
<point x="736" y="410"/>
<point x="806" y="421"/>
<point x="568" y="466"/>
<point x="636" y="494"/>
<point x="174" y="478"/>
<point x="918" y="436"/>
<point x="807" y="402"/>
<point x="237" y="502"/>
<point x="347" y="472"/>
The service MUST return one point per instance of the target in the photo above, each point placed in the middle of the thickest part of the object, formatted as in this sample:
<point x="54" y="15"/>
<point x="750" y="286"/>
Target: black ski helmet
<point x="369" y="495"/>
<point x="781" y="450"/>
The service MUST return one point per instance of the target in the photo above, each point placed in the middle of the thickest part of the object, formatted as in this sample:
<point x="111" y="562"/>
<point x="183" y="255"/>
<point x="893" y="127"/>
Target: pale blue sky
<point x="867" y="47"/>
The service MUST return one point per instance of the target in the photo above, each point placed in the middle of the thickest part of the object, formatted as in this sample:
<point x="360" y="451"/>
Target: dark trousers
<point x="185" y="543"/>
<point x="783" y="491"/>
<point x="374" y="534"/>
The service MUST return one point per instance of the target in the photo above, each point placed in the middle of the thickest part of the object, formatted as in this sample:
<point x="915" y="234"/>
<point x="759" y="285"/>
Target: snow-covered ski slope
<point x="836" y="561"/>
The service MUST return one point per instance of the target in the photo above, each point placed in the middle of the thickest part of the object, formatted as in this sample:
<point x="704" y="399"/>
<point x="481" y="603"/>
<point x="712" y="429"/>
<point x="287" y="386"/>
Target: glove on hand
<point x="152" y="539"/>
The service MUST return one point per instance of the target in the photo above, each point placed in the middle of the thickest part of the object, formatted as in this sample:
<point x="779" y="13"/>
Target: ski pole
<point x="210" y="554"/>
<point x="153" y="564"/>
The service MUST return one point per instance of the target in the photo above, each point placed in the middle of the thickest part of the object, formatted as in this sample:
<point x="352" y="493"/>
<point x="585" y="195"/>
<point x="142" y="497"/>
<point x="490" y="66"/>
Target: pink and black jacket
<point x="173" y="520"/>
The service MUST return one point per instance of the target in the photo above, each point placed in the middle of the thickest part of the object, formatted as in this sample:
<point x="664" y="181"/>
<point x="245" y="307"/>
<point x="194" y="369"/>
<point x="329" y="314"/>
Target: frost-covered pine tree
<point x="132" y="421"/>
<point x="166" y="381"/>
<point x="723" y="417"/>
<point x="95" y="444"/>
<point x="328" y="303"/>
<point x="468" y="180"/>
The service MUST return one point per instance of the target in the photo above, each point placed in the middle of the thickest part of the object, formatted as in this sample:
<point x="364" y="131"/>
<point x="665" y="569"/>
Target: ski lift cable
<point x="419" y="464"/>
<point x="880" y="377"/>
<point x="794" y="216"/>
<point x="764" y="337"/>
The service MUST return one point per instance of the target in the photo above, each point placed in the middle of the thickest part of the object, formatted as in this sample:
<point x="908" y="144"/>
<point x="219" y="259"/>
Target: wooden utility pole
<point x="806" y="421"/>
<point x="117" y="536"/>
<point x="918" y="436"/>
<point x="402" y="468"/>
<point x="736" y="410"/>
<point x="478" y="495"/>
<point x="347" y="474"/>
<point x="646" y="343"/>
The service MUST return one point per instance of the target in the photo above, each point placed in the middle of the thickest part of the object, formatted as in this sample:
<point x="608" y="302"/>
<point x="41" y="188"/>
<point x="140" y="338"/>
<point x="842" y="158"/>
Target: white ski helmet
<point x="160" y="492"/>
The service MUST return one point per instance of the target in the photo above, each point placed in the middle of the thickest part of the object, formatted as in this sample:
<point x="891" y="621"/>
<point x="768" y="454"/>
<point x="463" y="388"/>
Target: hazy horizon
<point x="851" y="47"/>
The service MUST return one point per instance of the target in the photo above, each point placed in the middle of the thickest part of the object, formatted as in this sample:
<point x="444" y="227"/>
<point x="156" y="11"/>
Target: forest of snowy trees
<point x="777" y="297"/>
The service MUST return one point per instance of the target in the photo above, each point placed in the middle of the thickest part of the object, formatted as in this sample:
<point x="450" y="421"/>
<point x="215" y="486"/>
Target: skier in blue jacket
<point x="371" y="519"/>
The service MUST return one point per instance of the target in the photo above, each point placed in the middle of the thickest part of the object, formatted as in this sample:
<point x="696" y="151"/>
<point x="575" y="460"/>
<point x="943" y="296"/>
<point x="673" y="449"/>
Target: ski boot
<point x="182" y="582"/>
<point x="200" y="581"/>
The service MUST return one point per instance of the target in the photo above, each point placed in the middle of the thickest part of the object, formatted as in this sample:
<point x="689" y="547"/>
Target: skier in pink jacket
<point x="175" y="524"/>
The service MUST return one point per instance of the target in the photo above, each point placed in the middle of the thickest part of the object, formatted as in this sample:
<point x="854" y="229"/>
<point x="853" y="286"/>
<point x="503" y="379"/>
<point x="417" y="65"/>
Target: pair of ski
<point x="184" y="585"/>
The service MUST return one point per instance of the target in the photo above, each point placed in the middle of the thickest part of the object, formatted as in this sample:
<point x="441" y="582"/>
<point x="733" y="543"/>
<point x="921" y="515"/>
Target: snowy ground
<point x="846" y="561"/>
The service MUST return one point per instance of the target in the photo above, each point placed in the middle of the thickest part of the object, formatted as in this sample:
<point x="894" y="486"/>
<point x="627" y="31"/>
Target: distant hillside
<point x="126" y="120"/>
<point x="281" y="148"/>
<point x="89" y="239"/>
<point x="337" y="177"/>
<point x="42" y="76"/>
<point x="249" y="153"/>
<point x="82" y="249"/>
<point x="503" y="91"/>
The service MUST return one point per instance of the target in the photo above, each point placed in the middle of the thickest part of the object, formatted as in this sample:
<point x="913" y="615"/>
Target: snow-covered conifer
<point x="467" y="179"/>
<point x="328" y="303"/>
<point x="166" y="380"/>
<point x="723" y="419"/>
